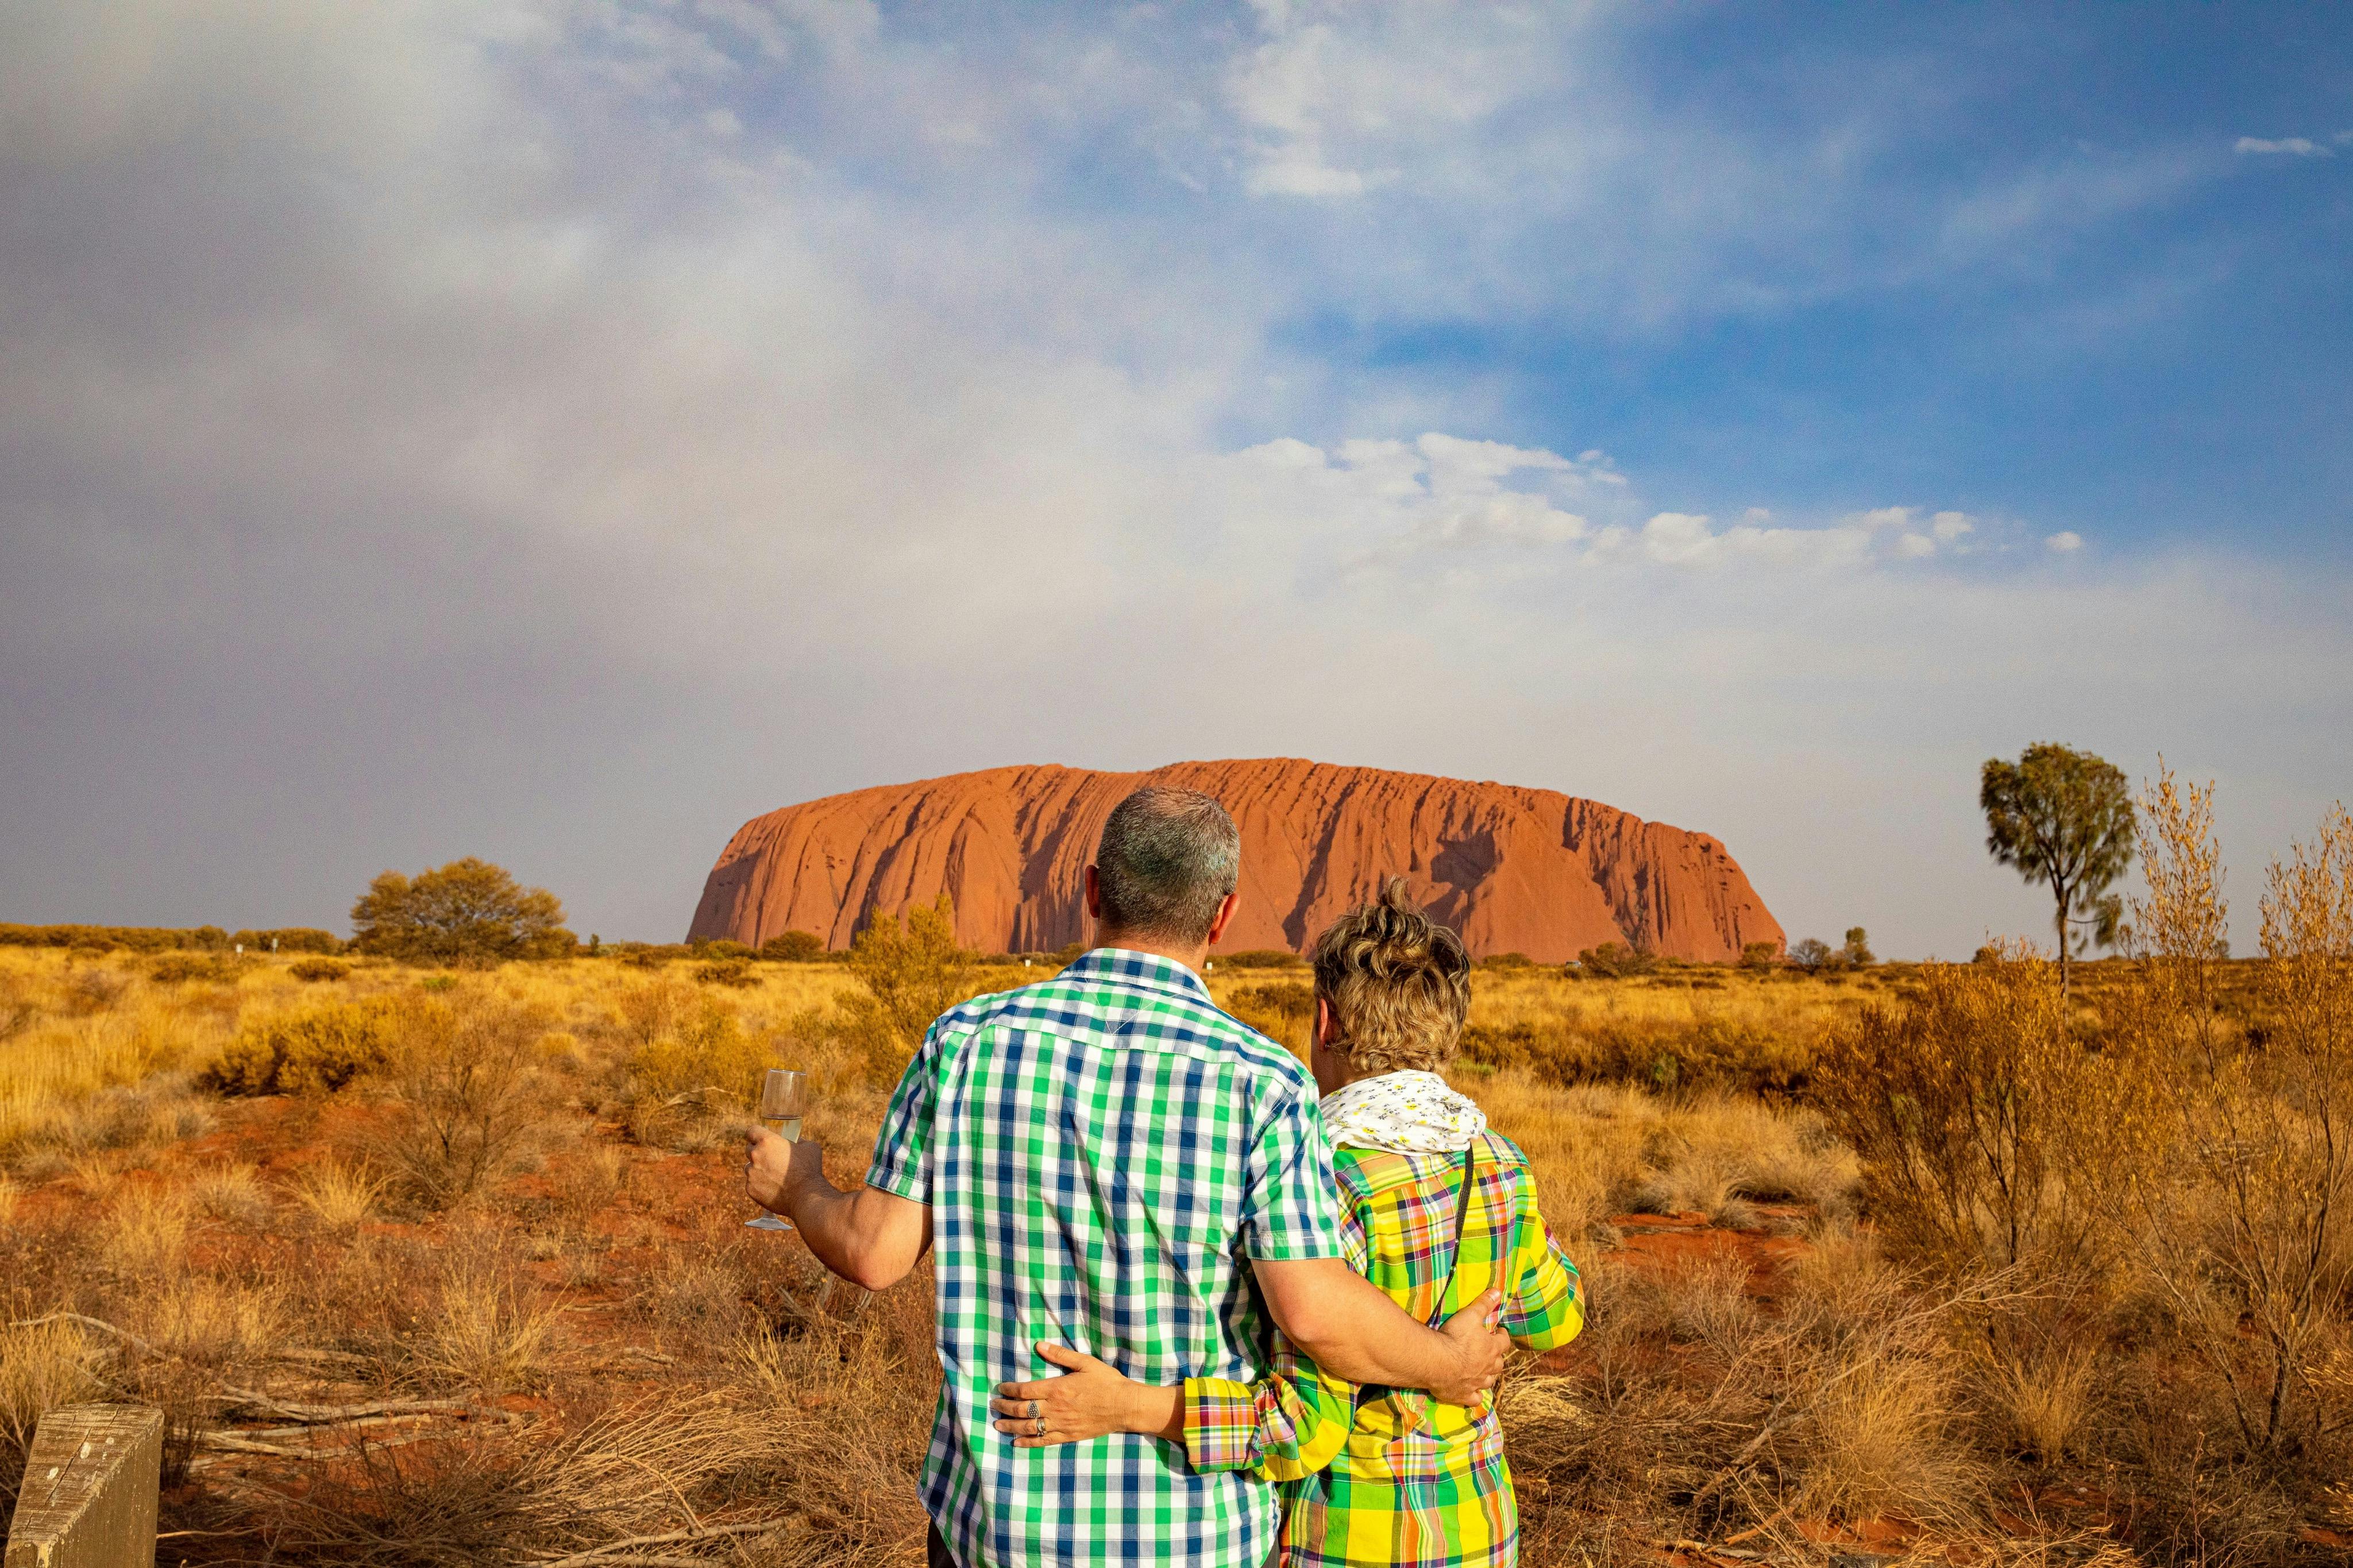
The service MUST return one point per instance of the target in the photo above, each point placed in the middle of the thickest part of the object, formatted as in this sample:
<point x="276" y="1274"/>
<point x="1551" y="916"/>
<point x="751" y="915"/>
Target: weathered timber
<point x="89" y="1495"/>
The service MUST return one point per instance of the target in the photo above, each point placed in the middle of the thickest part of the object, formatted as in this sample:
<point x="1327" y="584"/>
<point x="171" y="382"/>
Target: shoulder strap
<point x="1461" y="1219"/>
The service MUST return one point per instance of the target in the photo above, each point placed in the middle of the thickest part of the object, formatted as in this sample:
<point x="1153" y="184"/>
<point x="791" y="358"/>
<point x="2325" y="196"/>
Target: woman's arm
<point x="1289" y="1424"/>
<point x="1546" y="1306"/>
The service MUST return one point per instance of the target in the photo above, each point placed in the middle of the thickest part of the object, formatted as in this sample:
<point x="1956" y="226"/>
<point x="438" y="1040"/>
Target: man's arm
<point x="869" y="1238"/>
<point x="1350" y="1328"/>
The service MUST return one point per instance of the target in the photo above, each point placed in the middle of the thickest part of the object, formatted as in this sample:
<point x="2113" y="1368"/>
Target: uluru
<point x="1532" y="871"/>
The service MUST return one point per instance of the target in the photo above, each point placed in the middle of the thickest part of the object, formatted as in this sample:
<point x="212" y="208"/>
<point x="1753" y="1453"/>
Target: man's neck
<point x="1191" y="958"/>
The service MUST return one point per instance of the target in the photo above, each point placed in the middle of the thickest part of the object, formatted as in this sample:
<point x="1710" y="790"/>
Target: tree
<point x="2063" y="818"/>
<point x="1813" y="955"/>
<point x="1857" y="953"/>
<point x="794" y="947"/>
<point x="467" y="912"/>
<point x="1757" y="957"/>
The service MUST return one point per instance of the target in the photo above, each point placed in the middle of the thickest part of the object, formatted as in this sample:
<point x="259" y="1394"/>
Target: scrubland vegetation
<point x="441" y="1267"/>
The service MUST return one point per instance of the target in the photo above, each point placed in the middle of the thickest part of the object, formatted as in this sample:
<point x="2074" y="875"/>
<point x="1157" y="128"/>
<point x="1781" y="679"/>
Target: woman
<point x="1436" y="1207"/>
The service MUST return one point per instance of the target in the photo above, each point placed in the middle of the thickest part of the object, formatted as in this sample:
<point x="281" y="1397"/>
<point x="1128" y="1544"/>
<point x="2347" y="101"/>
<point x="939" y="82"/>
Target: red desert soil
<point x="1516" y="871"/>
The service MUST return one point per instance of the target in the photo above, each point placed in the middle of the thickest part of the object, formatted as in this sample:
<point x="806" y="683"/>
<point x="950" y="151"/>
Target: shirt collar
<point x="1127" y="967"/>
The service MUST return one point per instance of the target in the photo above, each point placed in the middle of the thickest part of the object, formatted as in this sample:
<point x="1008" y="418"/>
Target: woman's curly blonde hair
<point x="1399" y="983"/>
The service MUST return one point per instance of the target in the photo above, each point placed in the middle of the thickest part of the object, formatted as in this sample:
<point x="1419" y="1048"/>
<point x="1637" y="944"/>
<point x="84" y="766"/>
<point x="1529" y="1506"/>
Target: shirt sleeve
<point x="1545" y="1304"/>
<point x="902" y="1150"/>
<point x="1287" y="1185"/>
<point x="1284" y="1427"/>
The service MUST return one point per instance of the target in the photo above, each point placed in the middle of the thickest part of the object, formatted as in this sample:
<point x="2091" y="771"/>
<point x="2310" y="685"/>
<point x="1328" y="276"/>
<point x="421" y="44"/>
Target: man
<point x="1107" y="1162"/>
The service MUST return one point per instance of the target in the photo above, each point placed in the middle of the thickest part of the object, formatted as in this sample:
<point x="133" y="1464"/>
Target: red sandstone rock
<point x="1514" y="871"/>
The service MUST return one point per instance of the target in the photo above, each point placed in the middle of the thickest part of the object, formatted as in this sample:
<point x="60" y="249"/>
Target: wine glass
<point x="784" y="1099"/>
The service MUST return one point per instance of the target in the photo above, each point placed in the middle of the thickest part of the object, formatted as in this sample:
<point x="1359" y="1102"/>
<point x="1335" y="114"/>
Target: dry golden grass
<point x="669" y="1375"/>
<point x="340" y="1196"/>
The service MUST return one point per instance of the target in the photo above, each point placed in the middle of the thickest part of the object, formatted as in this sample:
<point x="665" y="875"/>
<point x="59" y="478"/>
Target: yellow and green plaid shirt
<point x="1391" y="1476"/>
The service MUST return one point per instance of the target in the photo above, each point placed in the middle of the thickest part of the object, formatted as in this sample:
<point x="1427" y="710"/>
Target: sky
<point x="558" y="432"/>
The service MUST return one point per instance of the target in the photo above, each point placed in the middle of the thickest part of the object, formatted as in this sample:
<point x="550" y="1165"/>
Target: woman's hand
<point x="1094" y="1399"/>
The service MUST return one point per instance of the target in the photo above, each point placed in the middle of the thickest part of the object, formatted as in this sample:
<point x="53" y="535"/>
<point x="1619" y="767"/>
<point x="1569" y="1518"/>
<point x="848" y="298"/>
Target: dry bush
<point x="1970" y="1105"/>
<point x="700" y="1298"/>
<point x="1599" y="1150"/>
<point x="42" y="1366"/>
<point x="466" y="1100"/>
<point x="339" y="1195"/>
<point x="2243" y="1202"/>
<point x="232" y="1194"/>
<point x="911" y="973"/>
<point x="656" y="1473"/>
<point x="488" y="1330"/>
<point x="69" y="1082"/>
<point x="145" y="1236"/>
<point x="319" y="971"/>
<point x="847" y="1413"/>
<point x="2043" y="1397"/>
<point x="317" y="1050"/>
<point x="694" y="1056"/>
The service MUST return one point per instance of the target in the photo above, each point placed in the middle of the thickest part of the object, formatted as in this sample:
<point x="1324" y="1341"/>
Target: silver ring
<point x="1034" y="1410"/>
<point x="1041" y="1431"/>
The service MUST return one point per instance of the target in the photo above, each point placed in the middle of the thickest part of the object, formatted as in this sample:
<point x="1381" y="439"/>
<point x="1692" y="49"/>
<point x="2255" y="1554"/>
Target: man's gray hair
<point x="1167" y="859"/>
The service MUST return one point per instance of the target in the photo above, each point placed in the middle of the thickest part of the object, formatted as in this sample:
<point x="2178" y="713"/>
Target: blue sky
<point x="558" y="431"/>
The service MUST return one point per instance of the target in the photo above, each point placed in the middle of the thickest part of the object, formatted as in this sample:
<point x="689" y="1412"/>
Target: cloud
<point x="557" y="432"/>
<point x="2294" y="146"/>
<point x="2064" y="542"/>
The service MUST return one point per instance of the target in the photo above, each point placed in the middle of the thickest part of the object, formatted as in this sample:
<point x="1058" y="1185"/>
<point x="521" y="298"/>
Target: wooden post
<point x="89" y="1496"/>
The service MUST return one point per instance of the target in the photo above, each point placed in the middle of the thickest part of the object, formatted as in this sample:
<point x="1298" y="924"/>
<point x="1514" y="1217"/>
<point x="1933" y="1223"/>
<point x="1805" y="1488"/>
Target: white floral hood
<point x="1401" y="1114"/>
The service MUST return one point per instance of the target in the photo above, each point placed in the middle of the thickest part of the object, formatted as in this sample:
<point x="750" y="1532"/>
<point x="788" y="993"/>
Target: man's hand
<point x="773" y="1167"/>
<point x="1481" y="1347"/>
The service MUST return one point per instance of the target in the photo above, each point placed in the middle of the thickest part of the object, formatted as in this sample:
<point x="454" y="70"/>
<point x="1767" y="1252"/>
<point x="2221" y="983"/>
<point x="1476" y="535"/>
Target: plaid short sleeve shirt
<point x="1103" y="1155"/>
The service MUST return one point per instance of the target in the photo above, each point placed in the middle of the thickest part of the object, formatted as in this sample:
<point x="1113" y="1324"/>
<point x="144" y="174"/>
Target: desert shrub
<point x="1757" y="957"/>
<point x="231" y="1194"/>
<point x="319" y="971"/>
<point x="734" y="972"/>
<point x="488" y="1330"/>
<point x="466" y="1095"/>
<point x="1702" y="1052"/>
<point x="2242" y="1201"/>
<point x="43" y="1364"/>
<point x="1507" y="961"/>
<point x="137" y="939"/>
<point x="1973" y="1110"/>
<point x="694" y="1051"/>
<point x="1253" y="958"/>
<point x="339" y="1195"/>
<point x="183" y="968"/>
<point x="289" y="939"/>
<point x="314" y="1051"/>
<point x="1614" y="960"/>
<point x="794" y="947"/>
<point x="465" y="912"/>
<point x="912" y="972"/>
<point x="1813" y="955"/>
<point x="20" y="1005"/>
<point x="1282" y="1010"/>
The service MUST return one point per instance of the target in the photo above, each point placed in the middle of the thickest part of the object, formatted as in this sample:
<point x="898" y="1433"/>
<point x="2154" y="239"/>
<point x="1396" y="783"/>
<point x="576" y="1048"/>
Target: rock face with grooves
<point x="1514" y="871"/>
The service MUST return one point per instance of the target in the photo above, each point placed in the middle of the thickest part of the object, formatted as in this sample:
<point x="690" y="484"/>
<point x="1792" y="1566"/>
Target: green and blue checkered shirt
<point x="1103" y="1155"/>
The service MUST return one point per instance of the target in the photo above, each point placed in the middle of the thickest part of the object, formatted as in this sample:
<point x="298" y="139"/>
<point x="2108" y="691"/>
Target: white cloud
<point x="2294" y="146"/>
<point x="2065" y="541"/>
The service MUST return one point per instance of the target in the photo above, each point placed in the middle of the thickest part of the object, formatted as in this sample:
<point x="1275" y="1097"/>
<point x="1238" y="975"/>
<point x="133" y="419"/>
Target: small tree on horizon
<point x="1857" y="953"/>
<point x="2064" y="819"/>
<point x="1813" y="955"/>
<point x="465" y="912"/>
